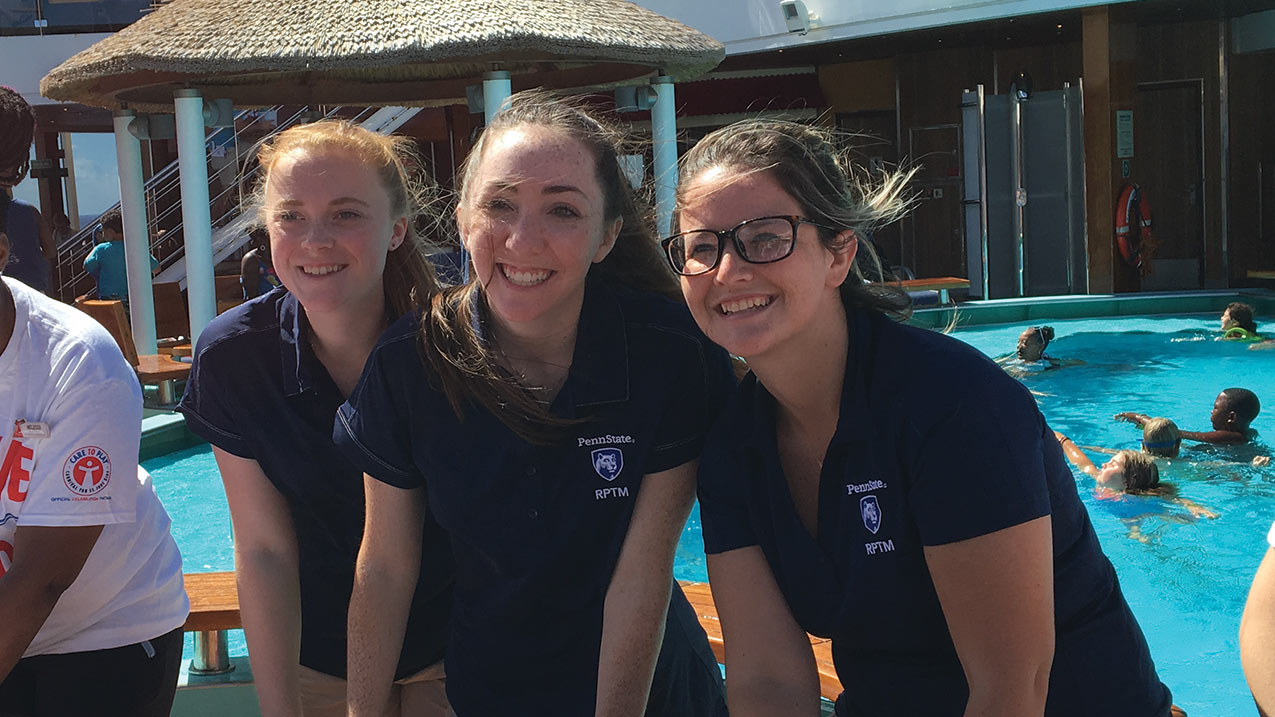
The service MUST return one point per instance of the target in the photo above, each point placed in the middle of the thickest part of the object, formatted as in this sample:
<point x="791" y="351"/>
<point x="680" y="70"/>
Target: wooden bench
<point x="157" y="368"/>
<point x="700" y="595"/>
<point x="941" y="284"/>
<point x="1261" y="273"/>
<point x="214" y="609"/>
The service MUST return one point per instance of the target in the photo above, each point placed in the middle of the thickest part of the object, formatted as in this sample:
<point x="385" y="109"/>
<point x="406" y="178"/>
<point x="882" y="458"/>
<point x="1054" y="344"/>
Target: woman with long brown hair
<point x="882" y="485"/>
<point x="549" y="413"/>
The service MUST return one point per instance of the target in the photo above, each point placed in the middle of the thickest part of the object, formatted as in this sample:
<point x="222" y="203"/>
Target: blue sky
<point x="96" y="178"/>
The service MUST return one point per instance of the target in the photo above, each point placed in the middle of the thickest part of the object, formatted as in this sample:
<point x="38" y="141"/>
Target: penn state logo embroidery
<point x="608" y="462"/>
<point x="871" y="513"/>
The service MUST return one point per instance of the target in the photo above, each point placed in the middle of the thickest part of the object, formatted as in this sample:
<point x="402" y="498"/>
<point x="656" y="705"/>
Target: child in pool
<point x="1237" y="322"/>
<point x="1238" y="325"/>
<point x="1233" y="410"/>
<point x="1162" y="439"/>
<point x="1130" y="473"/>
<point x="1029" y="356"/>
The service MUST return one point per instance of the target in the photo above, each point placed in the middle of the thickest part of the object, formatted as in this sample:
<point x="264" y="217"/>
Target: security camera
<point x="796" y="17"/>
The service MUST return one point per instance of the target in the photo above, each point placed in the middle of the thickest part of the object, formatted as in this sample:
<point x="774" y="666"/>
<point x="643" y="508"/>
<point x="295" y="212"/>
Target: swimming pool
<point x="1188" y="581"/>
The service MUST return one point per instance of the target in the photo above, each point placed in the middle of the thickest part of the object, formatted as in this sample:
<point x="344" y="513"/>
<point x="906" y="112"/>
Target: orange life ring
<point x="1133" y="228"/>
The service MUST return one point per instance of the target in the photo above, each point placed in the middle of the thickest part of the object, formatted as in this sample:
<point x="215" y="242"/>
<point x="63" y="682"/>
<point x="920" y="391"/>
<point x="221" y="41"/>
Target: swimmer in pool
<point x="1162" y="439"/>
<point x="1238" y="325"/>
<point x="1237" y="322"/>
<point x="1131" y="473"/>
<point x="1233" y="410"/>
<point x="1029" y="356"/>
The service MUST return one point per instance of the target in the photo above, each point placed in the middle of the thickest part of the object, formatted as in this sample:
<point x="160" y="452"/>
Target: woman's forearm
<point x="379" y="608"/>
<point x="1010" y="694"/>
<point x="632" y="634"/>
<point x="270" y="607"/>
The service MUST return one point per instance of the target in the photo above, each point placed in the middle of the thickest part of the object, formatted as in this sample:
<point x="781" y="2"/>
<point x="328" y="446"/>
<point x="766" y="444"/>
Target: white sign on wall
<point x="1124" y="134"/>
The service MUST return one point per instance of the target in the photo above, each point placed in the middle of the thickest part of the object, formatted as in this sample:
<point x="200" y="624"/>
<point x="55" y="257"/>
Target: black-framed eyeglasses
<point x="763" y="240"/>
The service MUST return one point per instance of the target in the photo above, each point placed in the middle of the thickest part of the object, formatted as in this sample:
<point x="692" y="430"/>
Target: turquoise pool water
<point x="1186" y="583"/>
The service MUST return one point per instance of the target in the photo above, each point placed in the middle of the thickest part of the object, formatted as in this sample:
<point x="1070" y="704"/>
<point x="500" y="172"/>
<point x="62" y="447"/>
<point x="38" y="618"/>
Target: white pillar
<point x="192" y="163"/>
<point x="497" y="87"/>
<point x="72" y="197"/>
<point x="664" y="145"/>
<point x="137" y="254"/>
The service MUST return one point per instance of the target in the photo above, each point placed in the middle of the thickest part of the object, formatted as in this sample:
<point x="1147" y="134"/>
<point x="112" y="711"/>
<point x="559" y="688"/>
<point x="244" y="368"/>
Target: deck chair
<point x="229" y="292"/>
<point x="171" y="318"/>
<point x="157" y="369"/>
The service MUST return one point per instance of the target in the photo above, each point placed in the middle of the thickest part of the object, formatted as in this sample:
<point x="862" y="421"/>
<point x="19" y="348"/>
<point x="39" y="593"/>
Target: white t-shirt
<point x="70" y="424"/>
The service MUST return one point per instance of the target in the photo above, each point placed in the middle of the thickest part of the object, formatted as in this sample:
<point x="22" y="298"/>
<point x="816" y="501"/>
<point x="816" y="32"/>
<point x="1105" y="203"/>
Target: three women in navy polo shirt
<point x="878" y="484"/>
<point x="549" y="414"/>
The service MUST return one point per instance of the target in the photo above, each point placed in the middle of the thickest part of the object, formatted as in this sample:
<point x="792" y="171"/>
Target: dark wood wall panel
<point x="1252" y="236"/>
<point x="1187" y="51"/>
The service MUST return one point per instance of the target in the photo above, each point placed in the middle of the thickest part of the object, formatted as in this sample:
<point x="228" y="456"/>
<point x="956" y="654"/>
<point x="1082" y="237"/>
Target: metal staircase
<point x="232" y="217"/>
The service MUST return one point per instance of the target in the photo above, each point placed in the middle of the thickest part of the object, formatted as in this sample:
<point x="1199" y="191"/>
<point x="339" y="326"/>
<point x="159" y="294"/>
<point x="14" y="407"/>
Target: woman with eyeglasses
<point x="882" y="485"/>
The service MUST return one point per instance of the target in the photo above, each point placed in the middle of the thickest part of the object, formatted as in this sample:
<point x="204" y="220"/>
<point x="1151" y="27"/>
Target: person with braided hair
<point x="31" y="248"/>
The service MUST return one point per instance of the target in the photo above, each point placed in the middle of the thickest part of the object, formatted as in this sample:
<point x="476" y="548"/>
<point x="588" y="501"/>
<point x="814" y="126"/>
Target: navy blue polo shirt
<point x="934" y="444"/>
<point x="537" y="529"/>
<point x="257" y="391"/>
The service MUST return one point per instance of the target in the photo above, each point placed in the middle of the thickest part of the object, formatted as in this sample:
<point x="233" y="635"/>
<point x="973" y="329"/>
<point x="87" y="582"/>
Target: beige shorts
<point x="423" y="693"/>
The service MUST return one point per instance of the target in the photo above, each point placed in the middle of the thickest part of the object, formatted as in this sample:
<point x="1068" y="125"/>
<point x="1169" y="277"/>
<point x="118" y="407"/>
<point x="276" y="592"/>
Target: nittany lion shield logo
<point x="871" y="513"/>
<point x="608" y="462"/>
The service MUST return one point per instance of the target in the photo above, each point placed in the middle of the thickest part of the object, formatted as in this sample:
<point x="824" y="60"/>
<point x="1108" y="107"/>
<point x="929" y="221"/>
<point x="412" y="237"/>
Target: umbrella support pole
<point x="664" y="141"/>
<point x="196" y="217"/>
<point x="137" y="254"/>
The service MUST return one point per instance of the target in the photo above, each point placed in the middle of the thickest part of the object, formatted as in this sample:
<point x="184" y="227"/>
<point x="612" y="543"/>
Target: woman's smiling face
<point x="331" y="226"/>
<point x="534" y="220"/>
<point x="749" y="309"/>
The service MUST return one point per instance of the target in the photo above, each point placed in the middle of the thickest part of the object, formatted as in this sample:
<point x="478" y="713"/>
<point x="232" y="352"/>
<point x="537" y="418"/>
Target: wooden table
<point x="163" y="371"/>
<point x="940" y="284"/>
<point x="214" y="602"/>
<point x="214" y="609"/>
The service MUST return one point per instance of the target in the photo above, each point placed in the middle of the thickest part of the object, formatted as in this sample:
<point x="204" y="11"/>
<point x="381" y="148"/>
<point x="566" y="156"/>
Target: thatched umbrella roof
<point x="374" y="52"/>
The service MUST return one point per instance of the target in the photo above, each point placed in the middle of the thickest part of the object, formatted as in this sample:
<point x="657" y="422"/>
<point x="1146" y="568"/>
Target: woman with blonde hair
<point x="339" y="203"/>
